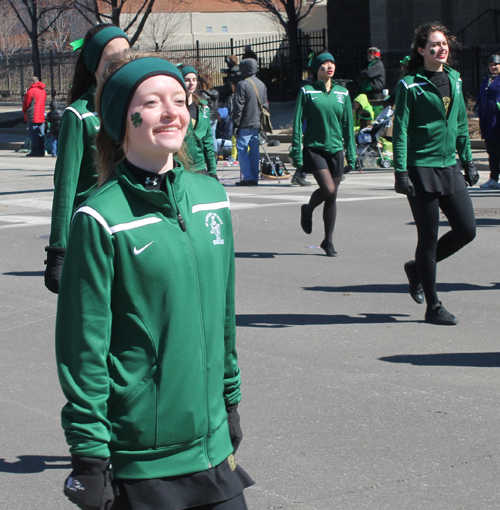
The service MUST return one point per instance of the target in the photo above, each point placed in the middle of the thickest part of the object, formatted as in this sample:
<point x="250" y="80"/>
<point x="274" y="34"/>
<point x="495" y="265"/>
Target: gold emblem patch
<point x="232" y="462"/>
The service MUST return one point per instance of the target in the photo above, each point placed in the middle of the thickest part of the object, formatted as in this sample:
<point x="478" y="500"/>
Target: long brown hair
<point x="422" y="34"/>
<point x="110" y="153"/>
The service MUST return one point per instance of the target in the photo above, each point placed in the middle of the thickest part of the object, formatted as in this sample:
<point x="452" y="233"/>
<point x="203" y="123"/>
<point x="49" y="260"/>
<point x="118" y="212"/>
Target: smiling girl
<point x="430" y="128"/>
<point x="145" y="334"/>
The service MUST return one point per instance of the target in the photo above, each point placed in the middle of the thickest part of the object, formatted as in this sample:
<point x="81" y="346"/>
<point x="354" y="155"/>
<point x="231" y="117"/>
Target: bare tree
<point x="36" y="18"/>
<point x="162" y="26"/>
<point x="11" y="40"/>
<point x="288" y="14"/>
<point x="136" y="13"/>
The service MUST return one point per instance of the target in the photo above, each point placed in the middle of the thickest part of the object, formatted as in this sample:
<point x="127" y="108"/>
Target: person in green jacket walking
<point x="430" y="127"/>
<point x="75" y="174"/>
<point x="145" y="328"/>
<point x="199" y="142"/>
<point x="327" y="110"/>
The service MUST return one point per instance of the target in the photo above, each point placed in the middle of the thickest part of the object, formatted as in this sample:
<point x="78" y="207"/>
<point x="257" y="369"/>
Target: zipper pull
<point x="181" y="222"/>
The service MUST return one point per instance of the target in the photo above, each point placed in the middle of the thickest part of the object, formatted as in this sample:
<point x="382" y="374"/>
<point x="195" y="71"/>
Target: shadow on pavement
<point x="460" y="359"/>
<point x="400" y="288"/>
<point x="34" y="464"/>
<point x="26" y="191"/>
<point x="284" y="320"/>
<point x="25" y="273"/>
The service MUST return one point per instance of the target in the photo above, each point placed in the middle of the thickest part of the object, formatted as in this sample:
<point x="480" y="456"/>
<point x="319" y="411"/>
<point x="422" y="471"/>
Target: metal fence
<point x="275" y="65"/>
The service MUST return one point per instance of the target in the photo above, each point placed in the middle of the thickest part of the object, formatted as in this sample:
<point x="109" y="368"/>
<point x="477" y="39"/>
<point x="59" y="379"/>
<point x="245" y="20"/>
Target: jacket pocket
<point x="133" y="415"/>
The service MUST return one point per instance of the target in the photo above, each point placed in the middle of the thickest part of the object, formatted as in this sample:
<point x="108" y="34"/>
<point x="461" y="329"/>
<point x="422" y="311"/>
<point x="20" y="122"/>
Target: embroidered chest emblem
<point x="206" y="112"/>
<point x="457" y="86"/>
<point x="340" y="97"/>
<point x="213" y="222"/>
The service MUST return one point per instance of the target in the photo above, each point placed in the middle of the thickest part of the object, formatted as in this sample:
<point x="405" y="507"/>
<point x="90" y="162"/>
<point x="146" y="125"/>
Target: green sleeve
<point x="83" y="332"/>
<point x="296" y="147"/>
<point x="400" y="133"/>
<point x="208" y="150"/>
<point x="66" y="174"/>
<point x="348" y="132"/>
<point x="463" y="141"/>
<point x="232" y="393"/>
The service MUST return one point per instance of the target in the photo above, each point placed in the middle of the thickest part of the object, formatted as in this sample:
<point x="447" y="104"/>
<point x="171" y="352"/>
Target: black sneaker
<point x="416" y="290"/>
<point x="306" y="220"/>
<point x="329" y="249"/>
<point x="438" y="314"/>
<point x="299" y="180"/>
<point x="246" y="183"/>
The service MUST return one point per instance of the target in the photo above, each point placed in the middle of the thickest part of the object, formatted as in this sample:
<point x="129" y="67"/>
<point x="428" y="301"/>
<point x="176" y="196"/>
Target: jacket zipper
<point x="182" y="224"/>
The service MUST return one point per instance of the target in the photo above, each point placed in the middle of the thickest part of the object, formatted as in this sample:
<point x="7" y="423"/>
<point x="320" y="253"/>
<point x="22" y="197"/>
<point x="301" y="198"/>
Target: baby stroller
<point x="367" y="144"/>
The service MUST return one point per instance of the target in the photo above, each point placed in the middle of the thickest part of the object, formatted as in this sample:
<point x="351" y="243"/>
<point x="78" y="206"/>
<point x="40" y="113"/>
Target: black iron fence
<point x="275" y="65"/>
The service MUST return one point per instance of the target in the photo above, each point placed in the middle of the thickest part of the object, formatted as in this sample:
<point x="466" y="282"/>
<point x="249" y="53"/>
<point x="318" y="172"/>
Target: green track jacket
<point x="199" y="143"/>
<point x="329" y="124"/>
<point x="75" y="174"/>
<point x="145" y="329"/>
<point x="423" y="135"/>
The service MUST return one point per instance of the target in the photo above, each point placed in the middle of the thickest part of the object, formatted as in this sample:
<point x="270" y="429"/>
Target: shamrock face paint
<point x="432" y="51"/>
<point x="136" y="119"/>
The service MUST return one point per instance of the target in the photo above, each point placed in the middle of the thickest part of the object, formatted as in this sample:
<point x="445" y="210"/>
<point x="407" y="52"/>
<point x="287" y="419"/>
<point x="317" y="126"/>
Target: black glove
<point x="347" y="169"/>
<point x="236" y="132"/>
<point x="89" y="484"/>
<point x="403" y="184"/>
<point x="54" y="262"/>
<point x="470" y="173"/>
<point x="214" y="175"/>
<point x="235" y="432"/>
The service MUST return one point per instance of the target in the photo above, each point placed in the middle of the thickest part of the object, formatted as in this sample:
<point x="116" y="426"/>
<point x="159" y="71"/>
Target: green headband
<point x="315" y="62"/>
<point x="92" y="51"/>
<point x="120" y="87"/>
<point x="188" y="70"/>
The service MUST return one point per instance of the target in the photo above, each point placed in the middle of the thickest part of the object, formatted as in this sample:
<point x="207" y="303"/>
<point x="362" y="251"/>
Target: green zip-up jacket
<point x="75" y="174"/>
<point x="329" y="124"/>
<point x="423" y="135"/>
<point x="145" y="329"/>
<point x="199" y="143"/>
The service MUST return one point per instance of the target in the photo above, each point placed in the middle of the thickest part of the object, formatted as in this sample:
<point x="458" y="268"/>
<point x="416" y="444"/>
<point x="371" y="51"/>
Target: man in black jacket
<point x="249" y="95"/>
<point x="54" y="119"/>
<point x="373" y="77"/>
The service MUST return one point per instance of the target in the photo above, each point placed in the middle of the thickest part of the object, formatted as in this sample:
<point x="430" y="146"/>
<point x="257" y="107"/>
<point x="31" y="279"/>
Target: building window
<point x="223" y="30"/>
<point x="209" y="30"/>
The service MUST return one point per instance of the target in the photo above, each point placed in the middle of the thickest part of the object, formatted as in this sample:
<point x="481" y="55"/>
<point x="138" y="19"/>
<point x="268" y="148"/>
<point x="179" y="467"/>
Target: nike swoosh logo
<point x="314" y="98"/>
<point x="137" y="252"/>
<point x="421" y="92"/>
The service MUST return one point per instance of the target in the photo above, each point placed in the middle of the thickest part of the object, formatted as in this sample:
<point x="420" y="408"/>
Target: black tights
<point x="327" y="193"/>
<point x="425" y="209"/>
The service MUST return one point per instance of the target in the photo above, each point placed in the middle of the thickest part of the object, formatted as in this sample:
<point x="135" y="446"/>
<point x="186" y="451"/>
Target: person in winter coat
<point x="430" y="127"/>
<point x="54" y="118"/>
<point x="34" y="115"/>
<point x="359" y="104"/>
<point x="373" y="77"/>
<point x="145" y="328"/>
<point x="198" y="140"/>
<point x="249" y="95"/>
<point x="211" y="96"/>
<point x="326" y="109"/>
<point x="488" y="108"/>
<point x="75" y="174"/>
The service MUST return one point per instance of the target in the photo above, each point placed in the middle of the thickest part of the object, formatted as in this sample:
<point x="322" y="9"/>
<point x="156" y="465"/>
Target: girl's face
<point x="326" y="70"/>
<point x="119" y="45"/>
<point x="436" y="51"/>
<point x="157" y="121"/>
<point x="191" y="81"/>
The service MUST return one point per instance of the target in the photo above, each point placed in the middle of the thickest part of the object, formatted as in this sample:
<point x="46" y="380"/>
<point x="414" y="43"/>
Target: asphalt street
<point x="350" y="400"/>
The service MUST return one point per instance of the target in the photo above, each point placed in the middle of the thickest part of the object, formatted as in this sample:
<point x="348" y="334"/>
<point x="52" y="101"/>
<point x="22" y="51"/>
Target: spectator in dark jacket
<point x="488" y="107"/>
<point x="246" y="121"/>
<point x="34" y="115"/>
<point x="373" y="77"/>
<point x="54" y="117"/>
<point x="211" y="96"/>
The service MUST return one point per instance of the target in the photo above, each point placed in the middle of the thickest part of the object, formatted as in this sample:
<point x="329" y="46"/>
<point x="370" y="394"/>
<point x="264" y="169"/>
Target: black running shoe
<point x="306" y="220"/>
<point x="298" y="179"/>
<point x="329" y="249"/>
<point x="438" y="314"/>
<point x="416" y="290"/>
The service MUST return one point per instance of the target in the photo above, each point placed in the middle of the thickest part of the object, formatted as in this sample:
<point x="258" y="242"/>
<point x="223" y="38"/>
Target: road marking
<point x="40" y="204"/>
<point x="23" y="221"/>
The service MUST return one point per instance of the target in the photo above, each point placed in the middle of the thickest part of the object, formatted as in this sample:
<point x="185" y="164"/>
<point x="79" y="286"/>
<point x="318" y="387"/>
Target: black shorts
<point x="315" y="160"/>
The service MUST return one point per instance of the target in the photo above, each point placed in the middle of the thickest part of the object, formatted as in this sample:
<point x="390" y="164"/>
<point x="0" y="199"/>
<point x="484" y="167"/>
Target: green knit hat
<point x="120" y="87"/>
<point x="316" y="62"/>
<point x="185" y="70"/>
<point x="92" y="51"/>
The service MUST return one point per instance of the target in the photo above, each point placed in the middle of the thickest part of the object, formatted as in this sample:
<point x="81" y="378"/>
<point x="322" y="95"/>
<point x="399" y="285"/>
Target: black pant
<point x="493" y="150"/>
<point x="425" y="209"/>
